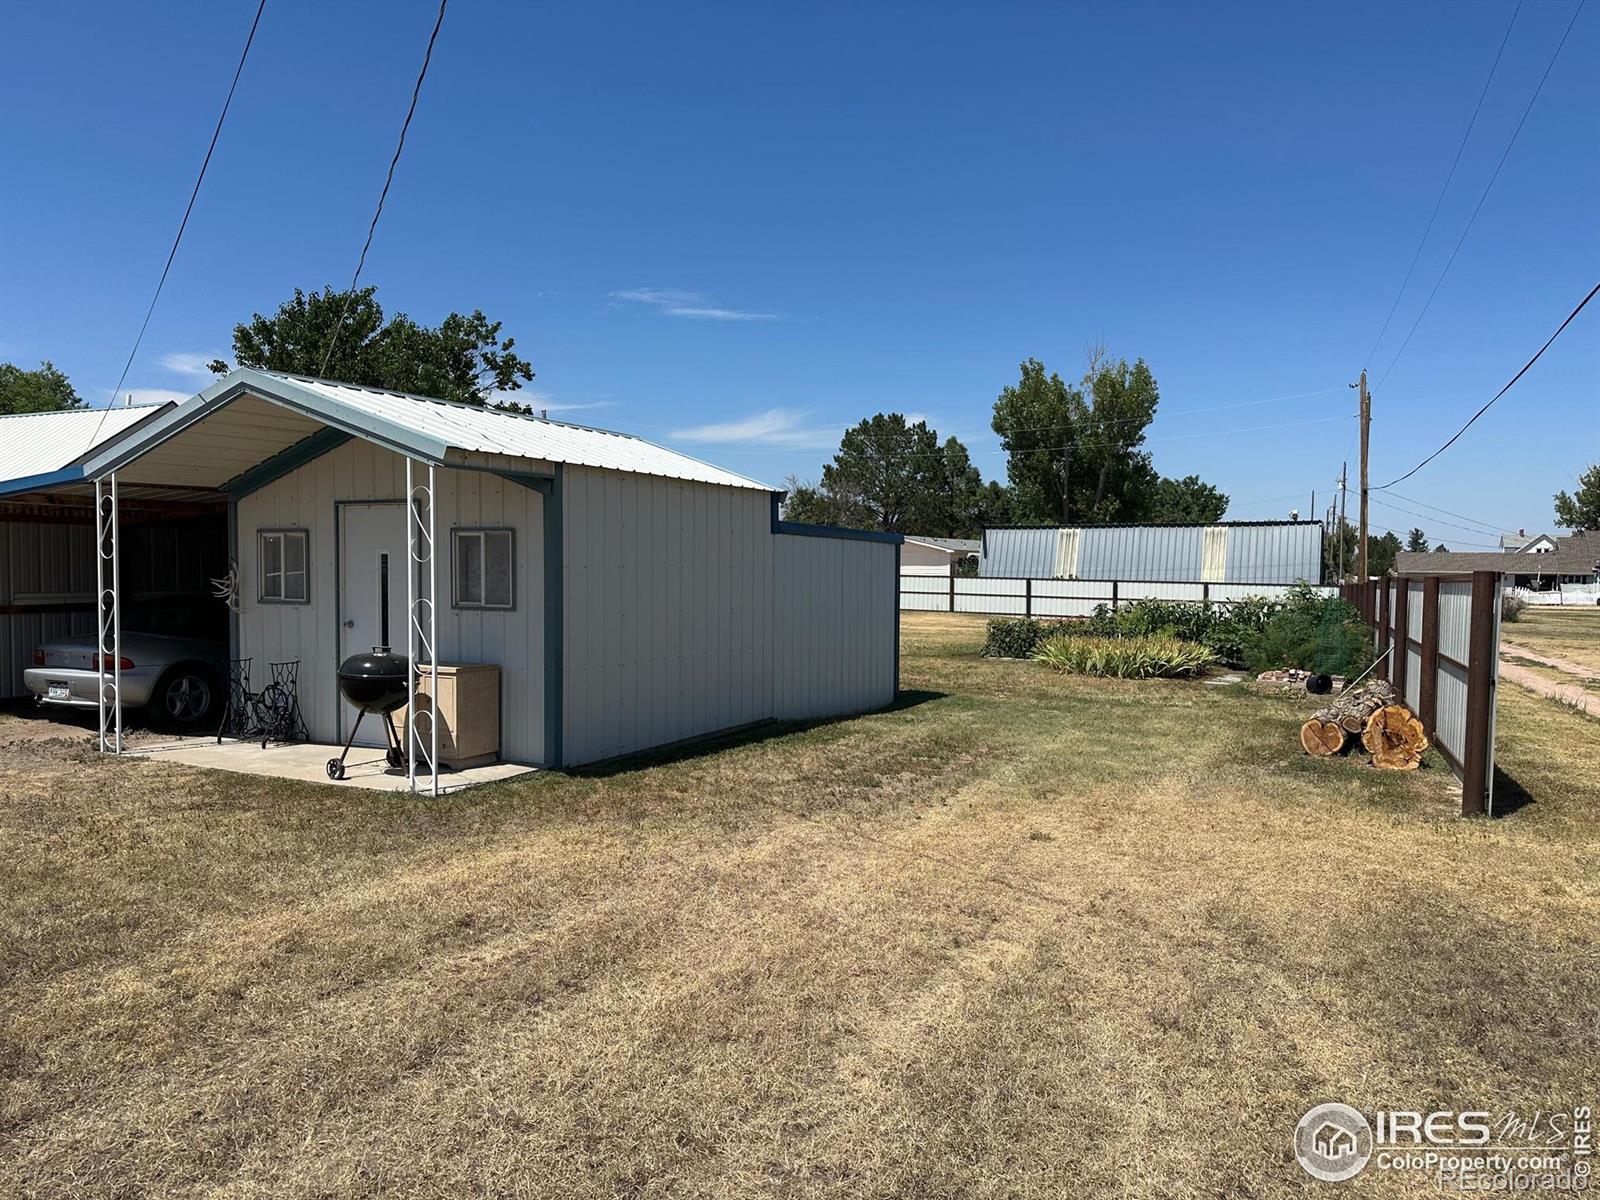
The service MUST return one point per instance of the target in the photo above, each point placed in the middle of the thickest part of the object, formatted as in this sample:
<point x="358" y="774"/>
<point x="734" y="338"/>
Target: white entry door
<point x="372" y="593"/>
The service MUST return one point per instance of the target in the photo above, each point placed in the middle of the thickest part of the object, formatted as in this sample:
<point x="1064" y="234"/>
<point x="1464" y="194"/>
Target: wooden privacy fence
<point x="1003" y="596"/>
<point x="1438" y="642"/>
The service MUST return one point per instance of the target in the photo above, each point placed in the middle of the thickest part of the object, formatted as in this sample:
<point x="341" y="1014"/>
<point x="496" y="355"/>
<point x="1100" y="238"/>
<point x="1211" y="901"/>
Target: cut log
<point x="1322" y="738"/>
<point x="1341" y="723"/>
<point x="1394" y="737"/>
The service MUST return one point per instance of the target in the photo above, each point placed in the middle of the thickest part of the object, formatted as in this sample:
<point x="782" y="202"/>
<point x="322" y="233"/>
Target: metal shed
<point x="1264" y="552"/>
<point x="640" y="597"/>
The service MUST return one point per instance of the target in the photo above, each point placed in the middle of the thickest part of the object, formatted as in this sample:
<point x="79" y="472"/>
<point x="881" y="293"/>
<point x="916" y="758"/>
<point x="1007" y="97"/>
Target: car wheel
<point x="185" y="696"/>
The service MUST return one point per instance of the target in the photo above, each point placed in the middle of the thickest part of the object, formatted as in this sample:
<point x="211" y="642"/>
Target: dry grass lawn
<point x="1568" y="633"/>
<point x="1025" y="935"/>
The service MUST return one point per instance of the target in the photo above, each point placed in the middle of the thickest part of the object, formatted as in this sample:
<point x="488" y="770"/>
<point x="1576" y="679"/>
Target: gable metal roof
<point x="38" y="449"/>
<point x="442" y="432"/>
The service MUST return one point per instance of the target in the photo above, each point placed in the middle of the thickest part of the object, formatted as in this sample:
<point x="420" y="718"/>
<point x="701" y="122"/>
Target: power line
<point x="184" y="224"/>
<point x="1431" y="520"/>
<point x="1525" y="367"/>
<point x="1486" y="189"/>
<point x="1487" y="526"/>
<point x="1454" y="163"/>
<point x="416" y="91"/>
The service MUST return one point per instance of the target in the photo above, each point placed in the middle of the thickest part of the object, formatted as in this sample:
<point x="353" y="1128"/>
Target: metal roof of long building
<point x="38" y="444"/>
<point x="441" y="431"/>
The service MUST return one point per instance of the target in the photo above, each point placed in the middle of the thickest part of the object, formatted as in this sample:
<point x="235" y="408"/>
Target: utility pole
<point x="1344" y="489"/>
<point x="1366" y="429"/>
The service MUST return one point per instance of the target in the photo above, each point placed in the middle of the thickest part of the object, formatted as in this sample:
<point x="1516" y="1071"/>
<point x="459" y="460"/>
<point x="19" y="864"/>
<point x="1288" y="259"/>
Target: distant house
<point x="1540" y="564"/>
<point x="936" y="556"/>
<point x="1520" y="543"/>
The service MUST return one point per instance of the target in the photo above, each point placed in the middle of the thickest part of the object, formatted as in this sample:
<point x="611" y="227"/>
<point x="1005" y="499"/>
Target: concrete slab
<point x="364" y="768"/>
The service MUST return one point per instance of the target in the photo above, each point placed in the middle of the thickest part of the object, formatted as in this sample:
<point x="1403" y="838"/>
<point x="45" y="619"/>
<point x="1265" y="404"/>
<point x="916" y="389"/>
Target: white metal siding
<point x="667" y="611"/>
<point x="512" y="640"/>
<point x="835" y="626"/>
<point x="925" y="560"/>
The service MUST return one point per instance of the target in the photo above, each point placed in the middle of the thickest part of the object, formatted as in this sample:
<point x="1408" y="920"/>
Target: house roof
<point x="36" y="449"/>
<point x="1573" y="555"/>
<point x="952" y="545"/>
<point x="273" y="412"/>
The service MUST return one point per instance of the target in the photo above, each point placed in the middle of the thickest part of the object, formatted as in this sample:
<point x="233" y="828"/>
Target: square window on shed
<point x="283" y="556"/>
<point x="484" y="566"/>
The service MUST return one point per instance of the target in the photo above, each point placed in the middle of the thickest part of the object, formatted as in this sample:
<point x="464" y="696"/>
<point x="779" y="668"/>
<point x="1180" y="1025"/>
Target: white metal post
<point x="433" y="640"/>
<point x="411" y="641"/>
<point x="108" y="615"/>
<point x="420" y="545"/>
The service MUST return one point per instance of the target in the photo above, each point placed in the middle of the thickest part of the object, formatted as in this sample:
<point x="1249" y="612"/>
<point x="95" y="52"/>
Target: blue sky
<point x="739" y="228"/>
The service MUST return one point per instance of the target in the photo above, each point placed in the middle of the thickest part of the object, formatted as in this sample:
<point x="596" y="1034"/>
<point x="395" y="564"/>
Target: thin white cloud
<point x="775" y="427"/>
<point x="676" y="303"/>
<point x="194" y="365"/>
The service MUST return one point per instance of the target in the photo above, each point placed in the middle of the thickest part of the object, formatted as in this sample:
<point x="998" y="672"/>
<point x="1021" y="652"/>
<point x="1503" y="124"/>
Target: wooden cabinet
<point x="469" y="713"/>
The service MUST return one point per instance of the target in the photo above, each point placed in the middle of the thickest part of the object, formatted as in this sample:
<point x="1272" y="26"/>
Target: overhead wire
<point x="1509" y="385"/>
<point x="1450" y="175"/>
<point x="1485" y="195"/>
<point x="183" y="225"/>
<point x="388" y="179"/>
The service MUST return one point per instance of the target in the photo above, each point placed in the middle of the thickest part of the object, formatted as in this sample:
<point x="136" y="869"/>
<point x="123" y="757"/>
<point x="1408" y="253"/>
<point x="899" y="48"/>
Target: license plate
<point x="60" y="691"/>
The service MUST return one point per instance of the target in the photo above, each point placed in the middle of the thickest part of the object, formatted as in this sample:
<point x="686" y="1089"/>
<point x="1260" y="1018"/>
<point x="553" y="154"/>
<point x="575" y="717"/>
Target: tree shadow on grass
<point x="1509" y="795"/>
<point x="745" y="735"/>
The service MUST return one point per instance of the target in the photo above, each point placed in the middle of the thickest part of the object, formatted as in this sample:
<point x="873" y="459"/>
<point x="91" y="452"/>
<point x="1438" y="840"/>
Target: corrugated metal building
<point x="632" y="596"/>
<point x="47" y="576"/>
<point x="1265" y="552"/>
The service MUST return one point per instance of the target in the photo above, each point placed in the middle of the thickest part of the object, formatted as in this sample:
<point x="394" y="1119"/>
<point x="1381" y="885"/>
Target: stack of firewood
<point x="1373" y="715"/>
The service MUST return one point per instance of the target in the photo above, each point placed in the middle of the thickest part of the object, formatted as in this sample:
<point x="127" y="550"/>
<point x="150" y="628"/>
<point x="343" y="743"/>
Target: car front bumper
<point x="81" y="689"/>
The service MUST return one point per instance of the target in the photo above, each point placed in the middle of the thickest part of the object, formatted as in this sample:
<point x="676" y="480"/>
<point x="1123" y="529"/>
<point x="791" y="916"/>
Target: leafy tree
<point x="1122" y="403"/>
<point x="1073" y="453"/>
<point x="1186" y="501"/>
<point x="807" y="504"/>
<point x="1581" y="511"/>
<point x="890" y="474"/>
<point x="1416" y="541"/>
<point x="1441" y="548"/>
<point x="1038" y="419"/>
<point x="464" y="358"/>
<point x="1342" y="536"/>
<point x="43" y="390"/>
<point x="994" y="508"/>
<point x="1381" y="552"/>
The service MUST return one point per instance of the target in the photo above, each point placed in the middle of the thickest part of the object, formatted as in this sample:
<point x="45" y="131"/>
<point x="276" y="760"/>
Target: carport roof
<point x="273" y="413"/>
<point x="38" y="449"/>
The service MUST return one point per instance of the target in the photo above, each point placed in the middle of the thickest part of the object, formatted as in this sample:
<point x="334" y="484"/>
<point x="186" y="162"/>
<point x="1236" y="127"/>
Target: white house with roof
<point x="937" y="555"/>
<point x="631" y="596"/>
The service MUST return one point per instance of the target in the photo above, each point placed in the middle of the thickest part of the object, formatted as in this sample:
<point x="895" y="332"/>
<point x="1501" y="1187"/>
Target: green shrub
<point x="1015" y="637"/>
<point x="1149" y="656"/>
<point x="1225" y="629"/>
<point x="1313" y="632"/>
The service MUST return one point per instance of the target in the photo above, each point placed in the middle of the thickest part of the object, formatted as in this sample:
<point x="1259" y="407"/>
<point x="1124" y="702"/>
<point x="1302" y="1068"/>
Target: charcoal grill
<point x="374" y="683"/>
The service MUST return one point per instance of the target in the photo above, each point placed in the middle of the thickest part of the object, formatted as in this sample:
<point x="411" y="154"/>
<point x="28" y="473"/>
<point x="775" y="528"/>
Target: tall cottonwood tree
<point x="463" y="358"/>
<point x="44" y="389"/>
<point x="1581" y="510"/>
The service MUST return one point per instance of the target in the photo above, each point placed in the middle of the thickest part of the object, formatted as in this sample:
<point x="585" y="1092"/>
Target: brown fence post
<point x="1480" y="700"/>
<point x="1428" y="685"/>
<point x="1402" y="634"/>
<point x="1027" y="596"/>
<point x="1386" y="668"/>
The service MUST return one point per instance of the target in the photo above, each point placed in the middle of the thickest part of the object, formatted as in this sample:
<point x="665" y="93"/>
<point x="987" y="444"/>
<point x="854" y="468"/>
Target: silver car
<point x="174" y="663"/>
